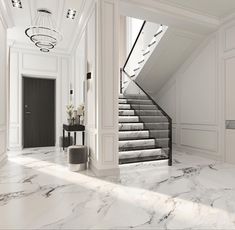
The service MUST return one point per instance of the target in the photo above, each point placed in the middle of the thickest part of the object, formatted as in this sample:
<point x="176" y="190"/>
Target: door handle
<point x="28" y="112"/>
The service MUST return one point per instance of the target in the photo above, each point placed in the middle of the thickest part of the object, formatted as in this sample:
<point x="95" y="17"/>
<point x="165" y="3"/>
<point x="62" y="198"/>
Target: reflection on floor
<point x="38" y="191"/>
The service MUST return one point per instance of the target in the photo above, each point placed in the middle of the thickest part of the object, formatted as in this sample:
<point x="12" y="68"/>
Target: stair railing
<point x="159" y="108"/>
<point x="130" y="78"/>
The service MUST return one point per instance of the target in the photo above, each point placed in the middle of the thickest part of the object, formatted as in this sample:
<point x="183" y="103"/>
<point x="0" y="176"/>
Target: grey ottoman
<point x="77" y="157"/>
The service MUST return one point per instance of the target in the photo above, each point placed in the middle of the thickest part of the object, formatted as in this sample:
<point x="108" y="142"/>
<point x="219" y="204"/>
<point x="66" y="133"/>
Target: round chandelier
<point x="43" y="33"/>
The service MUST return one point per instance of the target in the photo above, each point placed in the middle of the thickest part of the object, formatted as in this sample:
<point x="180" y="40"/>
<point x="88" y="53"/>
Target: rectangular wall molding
<point x="40" y="63"/>
<point x="199" y="139"/>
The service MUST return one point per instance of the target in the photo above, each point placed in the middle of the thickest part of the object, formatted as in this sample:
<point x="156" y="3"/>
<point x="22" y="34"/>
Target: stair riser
<point x="135" y="143"/>
<point x="141" y="102"/>
<point x="131" y="126"/>
<point x="154" y="119"/>
<point x="133" y="97"/>
<point x="133" y="135"/>
<point x="128" y="119"/>
<point x="155" y="126"/>
<point x="159" y="134"/>
<point x="126" y="112"/>
<point x="144" y="107"/>
<point x="148" y="112"/>
<point x="135" y="101"/>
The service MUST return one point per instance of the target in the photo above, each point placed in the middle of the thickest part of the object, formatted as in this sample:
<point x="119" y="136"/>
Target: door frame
<point x="22" y="105"/>
<point x="57" y="104"/>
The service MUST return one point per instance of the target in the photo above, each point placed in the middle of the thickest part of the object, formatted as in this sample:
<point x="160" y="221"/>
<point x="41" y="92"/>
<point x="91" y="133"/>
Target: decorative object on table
<point x="43" y="32"/>
<point x="76" y="117"/>
<point x="69" y="110"/>
<point x="81" y="111"/>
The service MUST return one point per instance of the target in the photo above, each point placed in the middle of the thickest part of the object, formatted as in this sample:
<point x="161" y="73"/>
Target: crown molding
<point x="5" y="14"/>
<point x="173" y="13"/>
<point x="86" y="11"/>
<point x="28" y="47"/>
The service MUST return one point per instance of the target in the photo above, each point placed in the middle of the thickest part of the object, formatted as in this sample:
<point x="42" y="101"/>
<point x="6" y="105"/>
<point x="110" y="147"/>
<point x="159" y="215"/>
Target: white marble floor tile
<point x="37" y="191"/>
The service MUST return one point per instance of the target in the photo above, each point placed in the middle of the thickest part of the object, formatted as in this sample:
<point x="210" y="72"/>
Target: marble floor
<point x="37" y="191"/>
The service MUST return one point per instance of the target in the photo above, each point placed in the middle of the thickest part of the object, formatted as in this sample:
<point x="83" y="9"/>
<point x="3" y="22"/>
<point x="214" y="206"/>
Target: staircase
<point x="143" y="130"/>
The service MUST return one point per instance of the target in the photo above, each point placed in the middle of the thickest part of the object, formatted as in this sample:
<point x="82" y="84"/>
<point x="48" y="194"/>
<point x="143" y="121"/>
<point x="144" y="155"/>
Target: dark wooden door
<point x="38" y="112"/>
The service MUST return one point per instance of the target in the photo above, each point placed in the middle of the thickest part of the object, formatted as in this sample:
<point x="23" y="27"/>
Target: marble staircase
<point x="143" y="130"/>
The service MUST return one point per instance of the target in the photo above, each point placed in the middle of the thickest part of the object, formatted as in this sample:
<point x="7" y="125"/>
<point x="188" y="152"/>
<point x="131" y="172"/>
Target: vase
<point x="70" y="121"/>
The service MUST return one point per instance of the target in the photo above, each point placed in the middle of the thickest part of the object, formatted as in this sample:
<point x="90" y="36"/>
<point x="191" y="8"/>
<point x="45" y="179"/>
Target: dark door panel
<point x="38" y="112"/>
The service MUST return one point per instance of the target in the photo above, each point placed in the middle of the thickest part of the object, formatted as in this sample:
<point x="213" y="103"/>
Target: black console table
<point x="74" y="129"/>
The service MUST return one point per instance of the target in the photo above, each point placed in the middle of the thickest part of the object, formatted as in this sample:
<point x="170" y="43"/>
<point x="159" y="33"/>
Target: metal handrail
<point x="136" y="40"/>
<point x="159" y="107"/>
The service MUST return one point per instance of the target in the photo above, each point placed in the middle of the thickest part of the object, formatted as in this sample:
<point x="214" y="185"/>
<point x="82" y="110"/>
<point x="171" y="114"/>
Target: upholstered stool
<point x="77" y="157"/>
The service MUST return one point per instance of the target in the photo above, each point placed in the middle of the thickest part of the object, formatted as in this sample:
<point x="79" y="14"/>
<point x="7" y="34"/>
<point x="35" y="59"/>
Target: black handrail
<point x="163" y="112"/>
<point x="136" y="40"/>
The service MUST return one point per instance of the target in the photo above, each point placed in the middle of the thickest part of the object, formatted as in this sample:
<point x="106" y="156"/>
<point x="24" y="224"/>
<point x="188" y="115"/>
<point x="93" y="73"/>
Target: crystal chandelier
<point x="43" y="33"/>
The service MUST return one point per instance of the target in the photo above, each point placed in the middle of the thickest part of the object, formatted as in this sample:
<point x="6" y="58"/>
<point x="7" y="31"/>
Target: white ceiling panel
<point x="215" y="8"/>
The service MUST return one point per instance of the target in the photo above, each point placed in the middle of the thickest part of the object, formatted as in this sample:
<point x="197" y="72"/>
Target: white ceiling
<point x="214" y="8"/>
<point x="23" y="18"/>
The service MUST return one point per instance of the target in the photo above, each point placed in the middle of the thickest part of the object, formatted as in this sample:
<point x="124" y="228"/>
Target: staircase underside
<point x="143" y="130"/>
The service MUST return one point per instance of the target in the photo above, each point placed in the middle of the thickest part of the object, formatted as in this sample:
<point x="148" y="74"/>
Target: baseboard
<point x="104" y="172"/>
<point x="196" y="152"/>
<point x="3" y="160"/>
<point x="16" y="148"/>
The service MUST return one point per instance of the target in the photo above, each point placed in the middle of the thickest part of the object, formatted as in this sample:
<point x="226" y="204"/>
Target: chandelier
<point x="43" y="33"/>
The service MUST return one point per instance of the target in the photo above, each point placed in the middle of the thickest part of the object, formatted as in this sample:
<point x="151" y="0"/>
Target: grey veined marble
<point x="37" y="191"/>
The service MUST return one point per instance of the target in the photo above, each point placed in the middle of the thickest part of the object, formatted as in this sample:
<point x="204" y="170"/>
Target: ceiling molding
<point x="174" y="12"/>
<point x="23" y="46"/>
<point x="60" y="15"/>
<point x="32" y="8"/>
<point x="228" y="18"/>
<point x="86" y="10"/>
<point x="5" y="14"/>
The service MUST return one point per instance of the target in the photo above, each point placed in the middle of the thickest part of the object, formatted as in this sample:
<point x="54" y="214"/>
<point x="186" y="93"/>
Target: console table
<point x="74" y="129"/>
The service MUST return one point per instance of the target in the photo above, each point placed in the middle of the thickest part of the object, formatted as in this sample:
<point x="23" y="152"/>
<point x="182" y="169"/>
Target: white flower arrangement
<point x="81" y="110"/>
<point x="69" y="110"/>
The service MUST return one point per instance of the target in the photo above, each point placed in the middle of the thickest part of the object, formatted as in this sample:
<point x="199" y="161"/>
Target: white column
<point x="107" y="80"/>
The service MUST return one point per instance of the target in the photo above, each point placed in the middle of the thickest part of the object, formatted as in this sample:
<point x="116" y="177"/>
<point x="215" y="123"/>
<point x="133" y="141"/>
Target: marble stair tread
<point x="126" y="112"/>
<point x="153" y="119"/>
<point x="157" y="125"/>
<point x="123" y="135"/>
<point x="148" y="112"/>
<point x="124" y="106"/>
<point x="142" y="159"/>
<point x="159" y="133"/>
<point x="141" y="153"/>
<point x="136" y="143"/>
<point x="131" y="126"/>
<point x="126" y="119"/>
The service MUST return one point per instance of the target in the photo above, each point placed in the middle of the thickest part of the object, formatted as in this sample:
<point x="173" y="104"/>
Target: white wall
<point x="191" y="98"/>
<point x="3" y="91"/>
<point x="30" y="63"/>
<point x="227" y="59"/>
